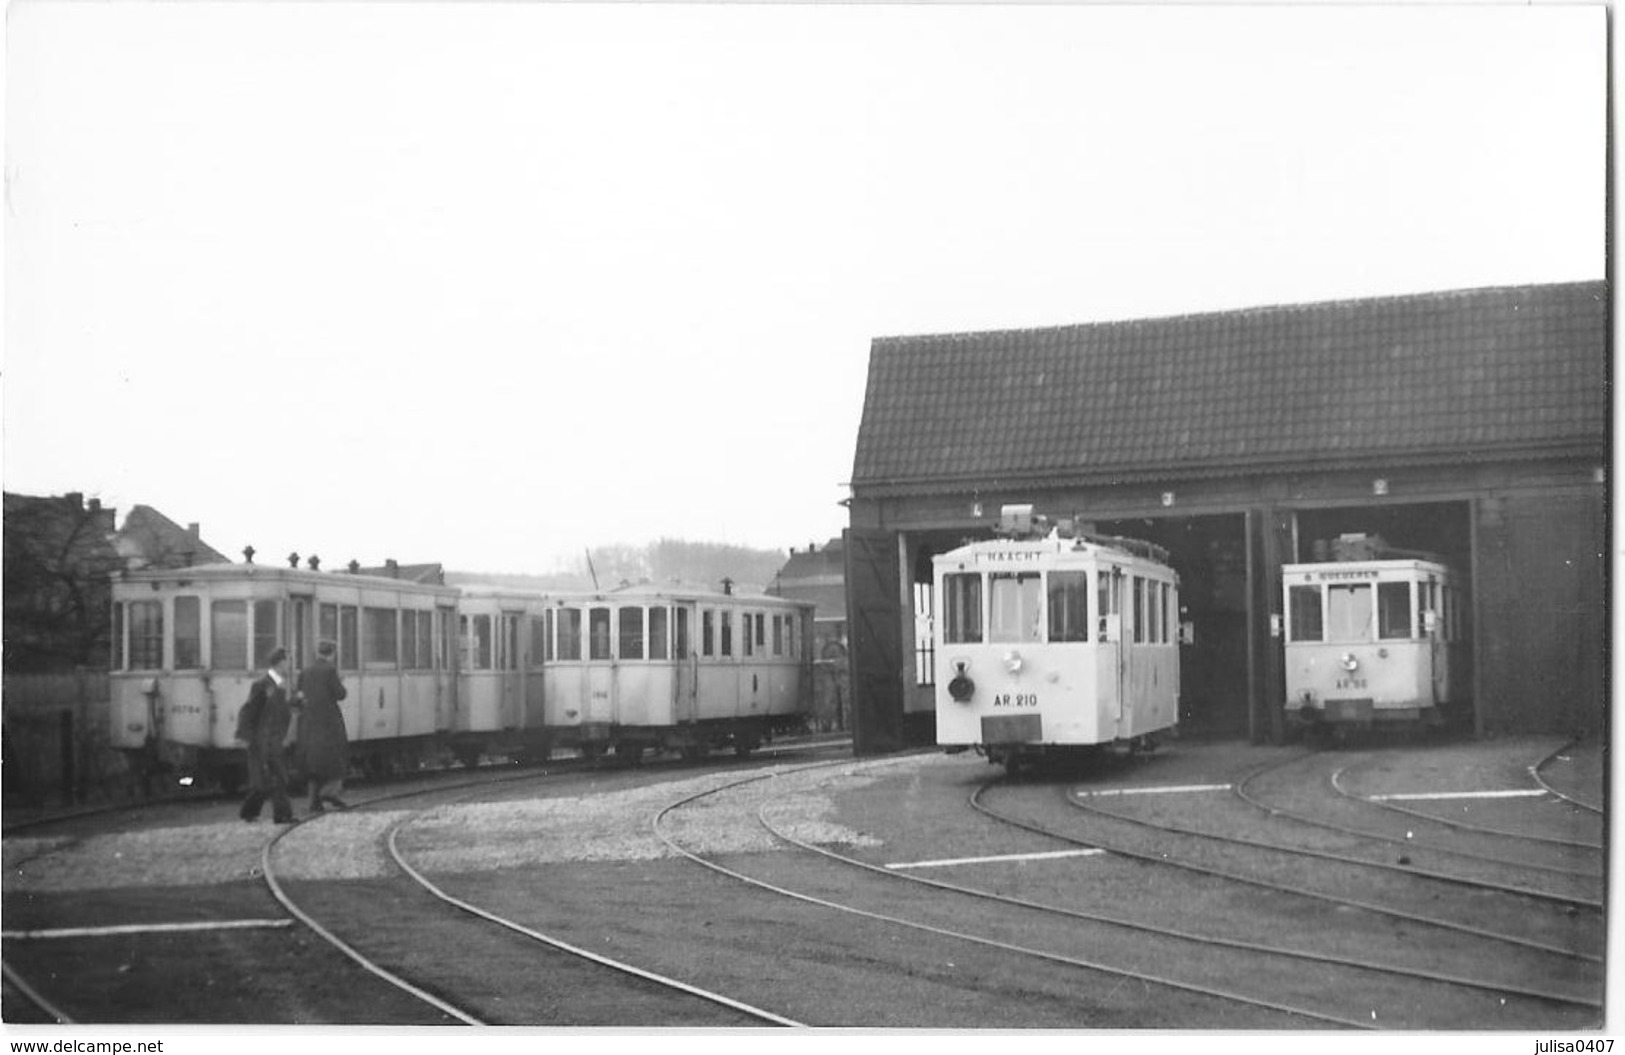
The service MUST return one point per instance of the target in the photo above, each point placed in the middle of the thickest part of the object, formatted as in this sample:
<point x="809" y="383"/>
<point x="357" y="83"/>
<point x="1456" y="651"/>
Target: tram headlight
<point x="1012" y="661"/>
<point x="1349" y="662"/>
<point x="961" y="688"/>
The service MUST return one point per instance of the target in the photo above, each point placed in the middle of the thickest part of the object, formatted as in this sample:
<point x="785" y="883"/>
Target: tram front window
<point x="1348" y="610"/>
<point x="1306" y="616"/>
<point x="1068" y="606"/>
<point x="1394" y="609"/>
<point x="962" y="609"/>
<point x="1017" y="606"/>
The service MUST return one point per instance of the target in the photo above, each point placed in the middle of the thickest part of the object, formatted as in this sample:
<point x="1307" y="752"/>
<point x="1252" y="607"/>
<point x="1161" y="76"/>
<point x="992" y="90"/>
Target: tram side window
<point x="569" y="623"/>
<point x="349" y="639"/>
<point x="266" y="630"/>
<point x="480" y="643"/>
<point x="727" y="634"/>
<point x="540" y="631"/>
<point x="745" y="639"/>
<point x="707" y="621"/>
<point x="425" y="636"/>
<point x="631" y="620"/>
<point x="510" y="640"/>
<point x="327" y="623"/>
<point x="1168" y="613"/>
<point x="1068" y="606"/>
<point x="379" y="637"/>
<point x="118" y="637"/>
<point x="228" y="635"/>
<point x="188" y="633"/>
<point x="1017" y="606"/>
<point x="1110" y="598"/>
<point x="1137" y="600"/>
<point x="598" y="633"/>
<point x="778" y="635"/>
<point x="761" y="633"/>
<point x="962" y="609"/>
<point x="146" y="635"/>
<point x="1348" y="613"/>
<point x="1305" y="618"/>
<point x="409" y="639"/>
<point x="657" y="632"/>
<point x="680" y="635"/>
<point x="1394" y="609"/>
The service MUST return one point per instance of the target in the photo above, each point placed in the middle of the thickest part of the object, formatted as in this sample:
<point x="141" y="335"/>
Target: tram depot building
<point x="1470" y="424"/>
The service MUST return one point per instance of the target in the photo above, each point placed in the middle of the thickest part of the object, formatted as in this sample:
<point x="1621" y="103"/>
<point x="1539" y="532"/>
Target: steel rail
<point x="1285" y="888"/>
<point x="1534" y="771"/>
<point x="1480" y="829"/>
<point x="34" y="996"/>
<point x="1183" y="935"/>
<point x="1241" y="792"/>
<point x="1343" y="859"/>
<point x="974" y="939"/>
<point x="575" y="950"/>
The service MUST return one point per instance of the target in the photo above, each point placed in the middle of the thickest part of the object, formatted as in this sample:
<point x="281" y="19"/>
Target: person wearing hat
<point x="324" y="746"/>
<point x="263" y="725"/>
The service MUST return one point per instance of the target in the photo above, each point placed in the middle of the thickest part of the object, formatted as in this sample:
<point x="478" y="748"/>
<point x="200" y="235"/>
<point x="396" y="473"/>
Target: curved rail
<point x="34" y="996"/>
<point x="1182" y="935"/>
<point x="344" y="947"/>
<point x="1040" y="954"/>
<point x="1481" y="829"/>
<point x="1284" y="888"/>
<point x="1534" y="771"/>
<point x="1241" y="792"/>
<point x="573" y="950"/>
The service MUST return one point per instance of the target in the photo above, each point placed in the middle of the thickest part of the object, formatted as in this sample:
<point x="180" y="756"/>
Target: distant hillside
<point x="668" y="560"/>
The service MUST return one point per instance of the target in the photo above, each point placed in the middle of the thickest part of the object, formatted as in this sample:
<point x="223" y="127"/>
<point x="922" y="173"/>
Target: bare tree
<point x="59" y="561"/>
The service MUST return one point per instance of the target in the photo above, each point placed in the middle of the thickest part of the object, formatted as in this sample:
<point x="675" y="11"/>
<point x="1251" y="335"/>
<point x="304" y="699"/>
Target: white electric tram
<point x="431" y="670"/>
<point x="1373" y="636"/>
<point x="188" y="643"/>
<point x="664" y="667"/>
<point x="1054" y="641"/>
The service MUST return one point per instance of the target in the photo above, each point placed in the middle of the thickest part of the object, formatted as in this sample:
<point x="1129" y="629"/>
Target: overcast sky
<point x="488" y="284"/>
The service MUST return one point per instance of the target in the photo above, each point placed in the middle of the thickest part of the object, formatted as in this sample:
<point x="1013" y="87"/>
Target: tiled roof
<point x="150" y="538"/>
<point x="1442" y="376"/>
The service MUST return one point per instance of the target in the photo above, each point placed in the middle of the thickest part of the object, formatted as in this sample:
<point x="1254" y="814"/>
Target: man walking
<point x="263" y="725"/>
<point x="324" y="747"/>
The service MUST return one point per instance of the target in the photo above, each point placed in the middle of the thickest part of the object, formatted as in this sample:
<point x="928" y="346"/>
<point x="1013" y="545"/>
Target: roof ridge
<point x="1363" y="303"/>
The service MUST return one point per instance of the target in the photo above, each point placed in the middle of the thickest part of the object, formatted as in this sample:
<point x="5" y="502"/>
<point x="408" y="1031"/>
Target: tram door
<point x="511" y="673"/>
<point x="685" y="665"/>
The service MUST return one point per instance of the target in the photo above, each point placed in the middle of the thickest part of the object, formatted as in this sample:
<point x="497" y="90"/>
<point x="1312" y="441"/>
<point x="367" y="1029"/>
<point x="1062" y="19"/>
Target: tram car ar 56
<point x="1373" y="636"/>
<point x="1051" y="641"/>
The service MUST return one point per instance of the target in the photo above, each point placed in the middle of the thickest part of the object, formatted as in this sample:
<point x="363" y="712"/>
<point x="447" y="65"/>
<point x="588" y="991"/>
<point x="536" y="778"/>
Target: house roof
<point x="1452" y="376"/>
<point x="150" y="538"/>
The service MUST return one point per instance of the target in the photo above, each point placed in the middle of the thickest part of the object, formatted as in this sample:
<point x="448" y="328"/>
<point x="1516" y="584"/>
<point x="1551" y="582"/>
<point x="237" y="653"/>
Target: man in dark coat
<point x="324" y="747"/>
<point x="263" y="725"/>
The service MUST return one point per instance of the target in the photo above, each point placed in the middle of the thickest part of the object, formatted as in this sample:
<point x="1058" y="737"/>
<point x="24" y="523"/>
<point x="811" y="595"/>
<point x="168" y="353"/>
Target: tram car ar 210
<point x="1051" y="641"/>
<point x="1373" y="636"/>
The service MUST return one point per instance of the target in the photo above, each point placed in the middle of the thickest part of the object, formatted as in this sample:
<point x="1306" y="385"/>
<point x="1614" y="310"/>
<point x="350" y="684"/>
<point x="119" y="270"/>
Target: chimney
<point x="194" y="529"/>
<point x="393" y="568"/>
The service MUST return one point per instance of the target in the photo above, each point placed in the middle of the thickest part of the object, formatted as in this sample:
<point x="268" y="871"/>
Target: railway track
<point x="441" y="1003"/>
<point x="1579" y="850"/>
<point x="839" y="891"/>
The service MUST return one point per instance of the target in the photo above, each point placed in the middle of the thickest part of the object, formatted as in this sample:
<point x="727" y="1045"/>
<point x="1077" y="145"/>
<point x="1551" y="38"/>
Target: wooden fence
<point x="56" y="740"/>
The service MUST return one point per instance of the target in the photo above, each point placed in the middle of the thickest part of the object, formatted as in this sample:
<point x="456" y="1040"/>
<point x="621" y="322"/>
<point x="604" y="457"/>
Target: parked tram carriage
<point x="1373" y="636"/>
<point x="1054" y="642"/>
<point x="432" y="670"/>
